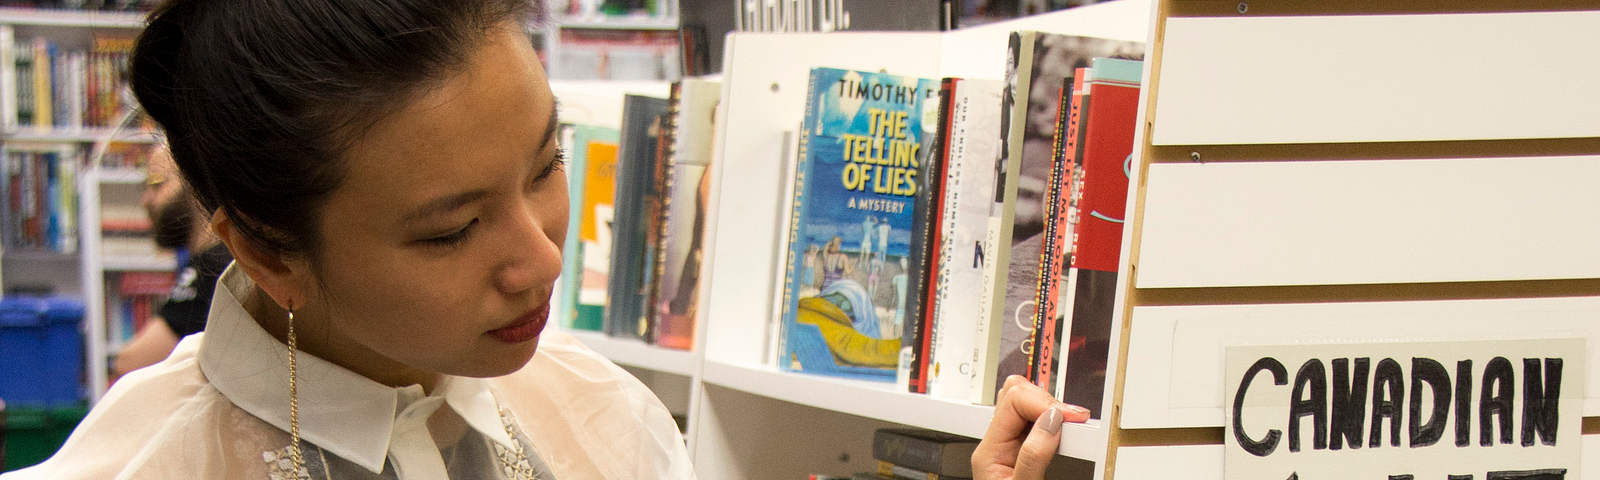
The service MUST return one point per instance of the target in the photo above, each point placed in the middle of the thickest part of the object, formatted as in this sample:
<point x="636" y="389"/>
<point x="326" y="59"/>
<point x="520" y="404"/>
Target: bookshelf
<point x="581" y="43"/>
<point x="83" y="272"/>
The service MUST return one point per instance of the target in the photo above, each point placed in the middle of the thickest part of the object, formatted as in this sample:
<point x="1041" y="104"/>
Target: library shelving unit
<point x="636" y="47"/>
<point x="82" y="272"/>
<point x="1304" y="173"/>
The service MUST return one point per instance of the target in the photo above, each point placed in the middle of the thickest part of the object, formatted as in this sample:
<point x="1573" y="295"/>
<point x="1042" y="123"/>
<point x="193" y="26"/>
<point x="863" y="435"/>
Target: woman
<point x="386" y="176"/>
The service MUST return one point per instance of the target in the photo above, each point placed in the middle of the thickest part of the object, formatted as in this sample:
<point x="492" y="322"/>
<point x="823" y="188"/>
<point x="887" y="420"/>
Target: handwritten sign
<point x="1470" y="410"/>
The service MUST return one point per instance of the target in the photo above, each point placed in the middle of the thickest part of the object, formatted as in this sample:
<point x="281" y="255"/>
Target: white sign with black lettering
<point x="1468" y="410"/>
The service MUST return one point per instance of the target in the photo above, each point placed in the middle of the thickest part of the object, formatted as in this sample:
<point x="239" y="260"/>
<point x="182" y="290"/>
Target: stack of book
<point x="58" y="88"/>
<point x="40" y="192"/>
<point x="917" y="454"/>
<point x="633" y="251"/>
<point x="949" y="233"/>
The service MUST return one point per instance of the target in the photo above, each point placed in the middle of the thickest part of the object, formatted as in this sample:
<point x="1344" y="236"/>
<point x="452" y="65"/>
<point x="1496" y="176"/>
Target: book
<point x="637" y="164"/>
<point x="971" y="145"/>
<point x="1017" y="215"/>
<point x="594" y="232"/>
<point x="1055" y="253"/>
<point x="891" y="470"/>
<point x="928" y="451"/>
<point x="861" y="153"/>
<point x="923" y="265"/>
<point x="1112" y="117"/>
<point x="575" y="141"/>
<point x="677" y="303"/>
<point x="1077" y="131"/>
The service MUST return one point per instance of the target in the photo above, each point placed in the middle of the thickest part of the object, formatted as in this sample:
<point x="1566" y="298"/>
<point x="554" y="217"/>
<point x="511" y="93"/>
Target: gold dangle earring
<point x="294" y="404"/>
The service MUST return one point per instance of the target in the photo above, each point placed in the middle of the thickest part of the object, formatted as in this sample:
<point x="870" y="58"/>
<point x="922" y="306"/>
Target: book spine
<point x="797" y="212"/>
<point x="925" y="241"/>
<point x="1051" y="254"/>
<point x="42" y="118"/>
<point x="918" y="454"/>
<point x="1077" y="132"/>
<point x="888" y="469"/>
<point x="666" y="155"/>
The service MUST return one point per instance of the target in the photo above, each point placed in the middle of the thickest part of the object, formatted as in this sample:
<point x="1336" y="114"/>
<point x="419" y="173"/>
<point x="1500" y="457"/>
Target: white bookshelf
<point x="637" y="354"/>
<point x="618" y="23"/>
<point x="46" y="17"/>
<point x="83" y="272"/>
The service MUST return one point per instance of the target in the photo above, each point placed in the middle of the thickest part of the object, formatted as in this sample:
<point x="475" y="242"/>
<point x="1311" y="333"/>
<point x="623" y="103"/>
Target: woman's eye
<point x="452" y="239"/>
<point x="557" y="164"/>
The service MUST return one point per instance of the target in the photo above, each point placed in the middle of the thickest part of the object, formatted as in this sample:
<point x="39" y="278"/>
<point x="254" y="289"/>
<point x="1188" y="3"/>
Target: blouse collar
<point x="340" y="410"/>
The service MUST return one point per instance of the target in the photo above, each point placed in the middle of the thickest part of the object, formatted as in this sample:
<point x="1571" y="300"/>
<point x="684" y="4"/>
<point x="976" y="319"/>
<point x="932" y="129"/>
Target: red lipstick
<point x="526" y="327"/>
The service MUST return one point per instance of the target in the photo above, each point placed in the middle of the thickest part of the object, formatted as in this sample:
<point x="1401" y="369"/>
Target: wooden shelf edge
<point x="638" y="354"/>
<point x="882" y="401"/>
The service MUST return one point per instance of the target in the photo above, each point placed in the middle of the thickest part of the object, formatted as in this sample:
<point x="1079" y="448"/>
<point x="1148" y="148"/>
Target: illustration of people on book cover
<point x="857" y="182"/>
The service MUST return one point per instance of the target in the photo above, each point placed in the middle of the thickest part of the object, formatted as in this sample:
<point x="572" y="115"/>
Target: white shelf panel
<point x="122" y="176"/>
<point x="71" y="18"/>
<point x="1377" y="78"/>
<point x="618" y="23"/>
<point x="138" y="263"/>
<point x="883" y="401"/>
<point x="1369" y="222"/>
<point x="638" y="354"/>
<point x="1204" y="462"/>
<point x="76" y="135"/>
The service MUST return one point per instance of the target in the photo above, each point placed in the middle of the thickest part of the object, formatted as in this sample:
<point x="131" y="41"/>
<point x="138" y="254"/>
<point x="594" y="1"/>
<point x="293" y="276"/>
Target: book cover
<point x="1112" y="116"/>
<point x="925" y="232"/>
<point x="580" y="221"/>
<point x="1017" y="216"/>
<point x="677" y="303"/>
<point x="850" y="233"/>
<point x="657" y="207"/>
<point x="1055" y="254"/>
<point x="594" y="232"/>
<point x="972" y="145"/>
<point x="631" y="256"/>
<point x="929" y="451"/>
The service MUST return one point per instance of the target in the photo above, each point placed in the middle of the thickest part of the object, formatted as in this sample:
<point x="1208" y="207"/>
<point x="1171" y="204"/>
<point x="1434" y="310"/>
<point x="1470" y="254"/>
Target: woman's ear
<point x="275" y="276"/>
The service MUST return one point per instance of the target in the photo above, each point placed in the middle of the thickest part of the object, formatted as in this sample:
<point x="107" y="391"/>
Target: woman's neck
<point x="315" y="334"/>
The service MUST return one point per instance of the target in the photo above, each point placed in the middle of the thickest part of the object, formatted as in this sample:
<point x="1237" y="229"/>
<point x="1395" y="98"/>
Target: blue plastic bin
<point x="41" y="352"/>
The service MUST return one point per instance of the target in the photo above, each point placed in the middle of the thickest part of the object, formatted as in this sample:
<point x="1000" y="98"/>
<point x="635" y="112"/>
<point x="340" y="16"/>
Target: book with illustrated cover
<point x="856" y="185"/>
<point x="594" y="231"/>
<point x="679" y="280"/>
<point x="972" y="145"/>
<point x="631" y="249"/>
<point x="1016" y="218"/>
<point x="1112" y="116"/>
<point x="576" y="141"/>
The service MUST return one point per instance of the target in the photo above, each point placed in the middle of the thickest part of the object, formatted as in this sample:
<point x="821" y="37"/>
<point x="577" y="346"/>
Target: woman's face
<point x="441" y="247"/>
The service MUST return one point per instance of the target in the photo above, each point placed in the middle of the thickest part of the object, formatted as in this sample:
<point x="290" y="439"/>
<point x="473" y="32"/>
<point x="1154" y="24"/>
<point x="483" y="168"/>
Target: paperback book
<point x="679" y="281"/>
<point x="855" y="202"/>
<point x="638" y="165"/>
<point x="972" y="144"/>
<point x="580" y="299"/>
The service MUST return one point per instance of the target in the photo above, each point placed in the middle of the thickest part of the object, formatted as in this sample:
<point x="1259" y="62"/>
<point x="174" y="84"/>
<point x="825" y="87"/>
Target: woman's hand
<point x="1024" y="434"/>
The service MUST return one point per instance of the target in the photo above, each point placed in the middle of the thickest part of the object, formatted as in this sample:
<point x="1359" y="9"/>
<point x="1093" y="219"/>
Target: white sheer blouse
<point x="218" y="408"/>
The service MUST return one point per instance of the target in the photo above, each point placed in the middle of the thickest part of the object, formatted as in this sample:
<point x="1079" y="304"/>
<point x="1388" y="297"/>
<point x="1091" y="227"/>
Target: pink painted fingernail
<point x="1050" y="421"/>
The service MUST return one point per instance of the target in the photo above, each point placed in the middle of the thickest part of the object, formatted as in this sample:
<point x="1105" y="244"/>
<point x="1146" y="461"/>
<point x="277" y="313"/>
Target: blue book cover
<point x="861" y="160"/>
